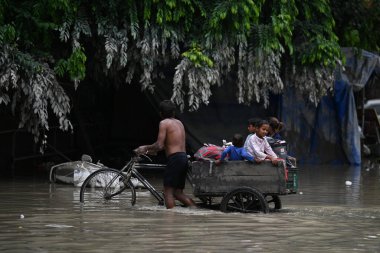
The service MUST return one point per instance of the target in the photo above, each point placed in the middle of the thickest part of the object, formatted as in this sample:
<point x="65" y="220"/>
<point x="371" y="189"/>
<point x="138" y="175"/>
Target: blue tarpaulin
<point x="329" y="133"/>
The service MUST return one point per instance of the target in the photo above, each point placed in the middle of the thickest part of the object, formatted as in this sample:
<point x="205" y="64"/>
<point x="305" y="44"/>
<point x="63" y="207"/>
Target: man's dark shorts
<point x="176" y="170"/>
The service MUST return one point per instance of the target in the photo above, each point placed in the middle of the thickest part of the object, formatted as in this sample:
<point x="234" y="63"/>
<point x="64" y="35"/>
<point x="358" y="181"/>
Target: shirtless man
<point x="171" y="138"/>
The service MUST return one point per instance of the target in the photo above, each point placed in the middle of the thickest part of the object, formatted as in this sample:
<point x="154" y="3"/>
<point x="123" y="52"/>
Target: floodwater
<point x="325" y="216"/>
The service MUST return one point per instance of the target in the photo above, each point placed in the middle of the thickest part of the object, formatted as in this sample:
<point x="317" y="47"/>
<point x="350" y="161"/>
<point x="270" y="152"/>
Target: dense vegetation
<point x="266" y="44"/>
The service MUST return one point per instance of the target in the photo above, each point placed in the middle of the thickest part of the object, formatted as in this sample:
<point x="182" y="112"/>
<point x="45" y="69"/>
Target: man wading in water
<point x="171" y="137"/>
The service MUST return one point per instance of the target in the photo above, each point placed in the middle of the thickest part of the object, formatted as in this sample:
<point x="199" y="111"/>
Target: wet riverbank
<point x="325" y="216"/>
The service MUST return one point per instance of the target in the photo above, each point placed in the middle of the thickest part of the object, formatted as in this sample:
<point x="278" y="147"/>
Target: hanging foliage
<point x="194" y="73"/>
<point x="31" y="87"/>
<point x="268" y="44"/>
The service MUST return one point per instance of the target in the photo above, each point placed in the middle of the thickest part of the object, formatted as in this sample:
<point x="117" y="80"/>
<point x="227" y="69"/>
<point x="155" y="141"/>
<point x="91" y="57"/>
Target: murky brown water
<point x="327" y="217"/>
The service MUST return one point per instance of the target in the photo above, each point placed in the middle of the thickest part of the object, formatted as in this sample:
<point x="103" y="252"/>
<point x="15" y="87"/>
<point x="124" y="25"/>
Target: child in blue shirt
<point x="236" y="152"/>
<point x="275" y="126"/>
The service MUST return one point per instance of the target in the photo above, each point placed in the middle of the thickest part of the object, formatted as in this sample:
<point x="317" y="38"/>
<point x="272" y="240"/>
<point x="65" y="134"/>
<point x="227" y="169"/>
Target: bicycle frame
<point x="150" y="187"/>
<point x="130" y="171"/>
<point x="109" y="191"/>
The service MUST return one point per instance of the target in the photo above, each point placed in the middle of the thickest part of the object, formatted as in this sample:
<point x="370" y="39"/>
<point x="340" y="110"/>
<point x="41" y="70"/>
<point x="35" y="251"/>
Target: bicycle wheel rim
<point x="107" y="187"/>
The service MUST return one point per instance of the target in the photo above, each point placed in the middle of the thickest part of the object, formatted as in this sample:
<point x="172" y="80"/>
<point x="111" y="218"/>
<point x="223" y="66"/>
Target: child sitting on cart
<point x="252" y="123"/>
<point x="275" y="126"/>
<point x="236" y="151"/>
<point x="259" y="147"/>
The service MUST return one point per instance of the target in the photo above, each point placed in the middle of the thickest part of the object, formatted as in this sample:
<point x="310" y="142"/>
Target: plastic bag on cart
<point x="209" y="151"/>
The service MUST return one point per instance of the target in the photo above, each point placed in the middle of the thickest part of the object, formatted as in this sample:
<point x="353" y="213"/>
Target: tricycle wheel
<point x="274" y="201"/>
<point x="245" y="200"/>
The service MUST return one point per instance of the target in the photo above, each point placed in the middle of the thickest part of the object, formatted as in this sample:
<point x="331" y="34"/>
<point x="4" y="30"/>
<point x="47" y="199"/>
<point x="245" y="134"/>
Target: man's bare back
<point x="171" y="138"/>
<point x="175" y="136"/>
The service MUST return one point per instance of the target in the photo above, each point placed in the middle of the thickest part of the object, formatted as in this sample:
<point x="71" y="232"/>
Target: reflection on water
<point x="327" y="217"/>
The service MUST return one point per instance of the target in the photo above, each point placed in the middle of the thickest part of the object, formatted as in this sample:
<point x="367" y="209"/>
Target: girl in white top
<point x="258" y="146"/>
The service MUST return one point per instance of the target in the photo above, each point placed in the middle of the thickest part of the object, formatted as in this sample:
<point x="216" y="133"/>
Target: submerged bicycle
<point x="116" y="187"/>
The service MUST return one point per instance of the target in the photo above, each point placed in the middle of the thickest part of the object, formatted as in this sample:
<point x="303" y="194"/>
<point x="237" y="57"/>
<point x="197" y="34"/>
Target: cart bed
<point x="210" y="180"/>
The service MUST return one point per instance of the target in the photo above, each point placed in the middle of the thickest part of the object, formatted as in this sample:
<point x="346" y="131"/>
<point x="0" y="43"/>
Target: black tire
<point x="274" y="202"/>
<point x="107" y="186"/>
<point x="245" y="200"/>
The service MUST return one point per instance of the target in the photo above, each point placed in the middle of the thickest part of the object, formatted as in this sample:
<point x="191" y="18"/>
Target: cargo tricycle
<point x="243" y="186"/>
<point x="238" y="185"/>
